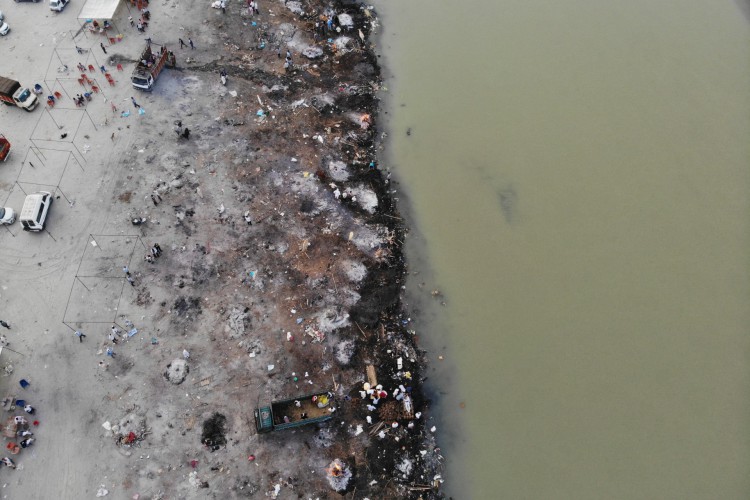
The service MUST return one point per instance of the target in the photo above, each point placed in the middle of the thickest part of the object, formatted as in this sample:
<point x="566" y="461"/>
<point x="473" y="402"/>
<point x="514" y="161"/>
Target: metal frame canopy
<point x="99" y="9"/>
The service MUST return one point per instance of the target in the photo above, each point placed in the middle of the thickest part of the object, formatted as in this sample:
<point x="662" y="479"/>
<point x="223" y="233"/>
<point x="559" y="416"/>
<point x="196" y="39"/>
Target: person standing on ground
<point x="110" y="352"/>
<point x="116" y="331"/>
<point x="7" y="461"/>
<point x="190" y="41"/>
<point x="80" y="335"/>
<point x="137" y="106"/>
<point x="131" y="280"/>
<point x="125" y="268"/>
<point x="182" y="43"/>
<point x="29" y="409"/>
<point x="185" y="354"/>
<point x="102" y="46"/>
<point x="4" y="324"/>
<point x="112" y="337"/>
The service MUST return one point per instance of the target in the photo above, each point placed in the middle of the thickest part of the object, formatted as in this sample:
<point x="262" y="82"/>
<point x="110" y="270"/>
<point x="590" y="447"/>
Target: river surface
<point x="577" y="174"/>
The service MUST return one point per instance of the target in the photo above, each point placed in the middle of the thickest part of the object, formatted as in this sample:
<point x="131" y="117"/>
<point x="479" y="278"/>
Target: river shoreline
<point x="342" y="82"/>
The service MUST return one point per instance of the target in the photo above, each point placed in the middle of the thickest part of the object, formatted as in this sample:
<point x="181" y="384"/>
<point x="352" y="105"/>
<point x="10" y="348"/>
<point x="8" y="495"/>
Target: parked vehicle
<point x="35" y="1"/>
<point x="150" y="65"/>
<point x="4" y="28"/>
<point x="294" y="412"/>
<point x="2" y="16"/>
<point x="58" y="5"/>
<point x="4" y="148"/>
<point x="12" y="94"/>
<point x="7" y="215"/>
<point x="35" y="210"/>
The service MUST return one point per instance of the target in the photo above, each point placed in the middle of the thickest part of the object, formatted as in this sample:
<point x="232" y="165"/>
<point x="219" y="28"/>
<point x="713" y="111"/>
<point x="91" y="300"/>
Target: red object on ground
<point x="4" y="148"/>
<point x="193" y="463"/>
<point x="251" y="458"/>
<point x="35" y="422"/>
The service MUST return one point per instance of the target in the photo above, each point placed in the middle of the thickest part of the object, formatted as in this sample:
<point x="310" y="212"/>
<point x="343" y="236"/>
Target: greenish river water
<point x="578" y="177"/>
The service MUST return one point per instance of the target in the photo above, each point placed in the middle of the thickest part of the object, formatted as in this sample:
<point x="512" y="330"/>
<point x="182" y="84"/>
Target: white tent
<point x="99" y="9"/>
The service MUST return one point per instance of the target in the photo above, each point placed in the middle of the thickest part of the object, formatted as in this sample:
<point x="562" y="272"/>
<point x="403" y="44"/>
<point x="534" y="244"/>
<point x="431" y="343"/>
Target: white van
<point x="58" y="5"/>
<point x="35" y="210"/>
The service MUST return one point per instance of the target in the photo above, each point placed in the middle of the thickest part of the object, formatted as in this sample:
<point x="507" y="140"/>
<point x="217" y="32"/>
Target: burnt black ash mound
<point x="214" y="432"/>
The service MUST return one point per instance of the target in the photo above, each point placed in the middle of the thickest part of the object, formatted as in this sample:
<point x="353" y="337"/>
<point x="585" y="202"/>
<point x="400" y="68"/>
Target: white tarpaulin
<point x="99" y="9"/>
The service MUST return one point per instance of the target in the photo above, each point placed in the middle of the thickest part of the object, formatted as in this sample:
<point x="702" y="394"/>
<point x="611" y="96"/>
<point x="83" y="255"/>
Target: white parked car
<point x="58" y="5"/>
<point x="2" y="16"/>
<point x="4" y="28"/>
<point x="7" y="215"/>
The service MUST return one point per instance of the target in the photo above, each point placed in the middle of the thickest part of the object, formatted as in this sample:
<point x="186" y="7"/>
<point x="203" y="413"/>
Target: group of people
<point x="103" y="26"/>
<point x="325" y="25"/>
<point x="142" y="22"/>
<point x="287" y="59"/>
<point x="80" y="99"/>
<point x="114" y="334"/>
<point x="155" y="253"/>
<point x="23" y="432"/>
